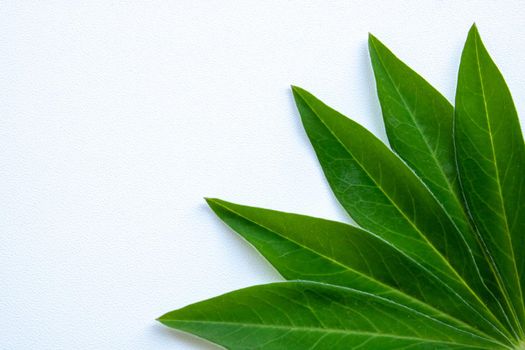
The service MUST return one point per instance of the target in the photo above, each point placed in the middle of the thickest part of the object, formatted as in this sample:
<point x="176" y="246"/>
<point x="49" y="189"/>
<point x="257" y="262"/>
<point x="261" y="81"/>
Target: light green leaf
<point x="307" y="315"/>
<point x="491" y="161"/>
<point x="307" y="248"/>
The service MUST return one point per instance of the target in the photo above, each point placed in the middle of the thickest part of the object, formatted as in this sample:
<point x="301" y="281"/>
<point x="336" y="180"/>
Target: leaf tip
<point x="375" y="47"/>
<point x="161" y="319"/>
<point x="296" y="89"/>
<point x="473" y="31"/>
<point x="372" y="38"/>
<point x="169" y="318"/>
<point x="210" y="200"/>
<point x="298" y="94"/>
<point x="474" y="39"/>
<point x="217" y="203"/>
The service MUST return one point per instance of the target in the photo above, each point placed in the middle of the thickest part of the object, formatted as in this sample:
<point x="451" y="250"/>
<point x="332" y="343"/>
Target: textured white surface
<point x="118" y="117"/>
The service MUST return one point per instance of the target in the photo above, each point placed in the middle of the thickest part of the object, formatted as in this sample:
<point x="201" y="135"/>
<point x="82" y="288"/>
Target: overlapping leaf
<point x="382" y="195"/>
<point x="419" y="125"/>
<point x="491" y="160"/>
<point x="306" y="248"/>
<point x="307" y="315"/>
<point x="439" y="263"/>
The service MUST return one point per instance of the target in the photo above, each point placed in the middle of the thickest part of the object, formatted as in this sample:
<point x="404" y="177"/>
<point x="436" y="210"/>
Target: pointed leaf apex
<point x="376" y="46"/>
<point x="211" y="201"/>
<point x="372" y="38"/>
<point x="473" y="32"/>
<point x="162" y="318"/>
<point x="296" y="89"/>
<point x="299" y="93"/>
<point x="215" y="203"/>
<point x="474" y="38"/>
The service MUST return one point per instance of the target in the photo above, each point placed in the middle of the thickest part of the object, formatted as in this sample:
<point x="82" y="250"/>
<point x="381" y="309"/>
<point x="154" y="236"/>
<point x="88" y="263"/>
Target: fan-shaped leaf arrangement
<point x="438" y="260"/>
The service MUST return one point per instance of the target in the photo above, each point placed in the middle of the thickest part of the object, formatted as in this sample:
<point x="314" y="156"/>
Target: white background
<point x="116" y="118"/>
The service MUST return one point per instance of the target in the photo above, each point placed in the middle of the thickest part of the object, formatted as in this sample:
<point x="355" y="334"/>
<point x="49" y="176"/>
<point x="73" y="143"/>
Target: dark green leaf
<point x="418" y="122"/>
<point x="307" y="315"/>
<point x="384" y="196"/>
<point x="491" y="161"/>
<point x="419" y="125"/>
<point x="307" y="248"/>
<point x="440" y="261"/>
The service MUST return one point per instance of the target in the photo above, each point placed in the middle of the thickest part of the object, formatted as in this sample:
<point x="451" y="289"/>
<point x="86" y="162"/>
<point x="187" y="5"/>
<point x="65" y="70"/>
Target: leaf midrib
<point x="463" y="282"/>
<point x="408" y="296"/>
<point x="414" y="120"/>
<point x="452" y="192"/>
<point x="327" y="330"/>
<point x="500" y="194"/>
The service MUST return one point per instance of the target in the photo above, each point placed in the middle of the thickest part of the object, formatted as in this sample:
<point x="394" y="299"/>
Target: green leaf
<point x="418" y="122"/>
<point x="307" y="315"/>
<point x="307" y="248"/>
<point x="384" y="196"/>
<point x="491" y="162"/>
<point x="439" y="261"/>
<point x="419" y="125"/>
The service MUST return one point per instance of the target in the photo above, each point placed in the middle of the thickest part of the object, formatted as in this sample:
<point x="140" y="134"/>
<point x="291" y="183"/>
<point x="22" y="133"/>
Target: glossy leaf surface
<point x="491" y="161"/>
<point x="419" y="125"/>
<point x="418" y="122"/>
<point x="306" y="248"/>
<point x="307" y="315"/>
<point x="384" y="196"/>
<point x="439" y="259"/>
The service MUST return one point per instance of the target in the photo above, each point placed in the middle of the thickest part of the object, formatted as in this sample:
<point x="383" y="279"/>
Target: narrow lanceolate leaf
<point x="306" y="248"/>
<point x="419" y="125"/>
<point x="384" y="196"/>
<point x="418" y="122"/>
<point x="491" y="162"/>
<point x="307" y="315"/>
